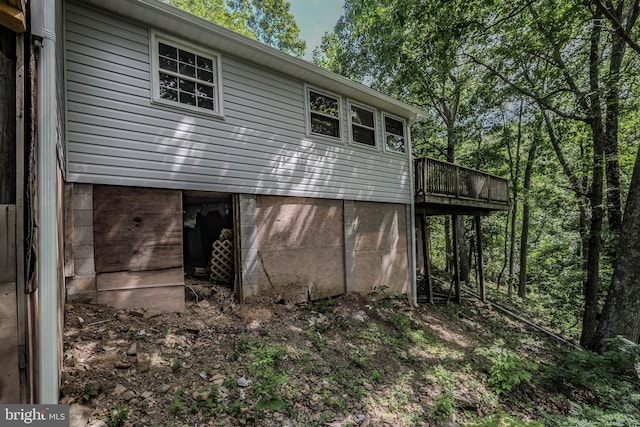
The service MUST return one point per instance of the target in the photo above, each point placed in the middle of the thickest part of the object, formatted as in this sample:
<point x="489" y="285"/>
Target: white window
<point x="394" y="135"/>
<point x="324" y="114"/>
<point x="185" y="76"/>
<point x="363" y="125"/>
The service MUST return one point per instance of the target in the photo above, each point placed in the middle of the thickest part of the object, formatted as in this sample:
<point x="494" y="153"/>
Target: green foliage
<point x="90" y="391"/>
<point x="118" y="417"/>
<point x="587" y="416"/>
<point x="502" y="419"/>
<point x="176" y="365"/>
<point x="442" y="406"/>
<point x="269" y="373"/>
<point x="268" y="21"/>
<point x="507" y="368"/>
<point x="401" y="322"/>
<point x="324" y="305"/>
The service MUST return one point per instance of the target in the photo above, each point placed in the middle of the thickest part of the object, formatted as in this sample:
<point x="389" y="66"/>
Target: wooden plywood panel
<point x="167" y="299"/>
<point x="140" y="279"/>
<point x="137" y="229"/>
<point x="7" y="243"/>
<point x="10" y="374"/>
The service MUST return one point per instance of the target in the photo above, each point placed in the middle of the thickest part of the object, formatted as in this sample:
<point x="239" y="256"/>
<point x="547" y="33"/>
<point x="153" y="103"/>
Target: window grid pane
<point x="186" y="78"/>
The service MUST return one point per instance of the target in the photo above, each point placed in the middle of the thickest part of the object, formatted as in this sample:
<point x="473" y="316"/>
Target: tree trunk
<point x="591" y="286"/>
<point x="612" y="163"/>
<point x="514" y="170"/>
<point x="621" y="312"/>
<point x="524" y="235"/>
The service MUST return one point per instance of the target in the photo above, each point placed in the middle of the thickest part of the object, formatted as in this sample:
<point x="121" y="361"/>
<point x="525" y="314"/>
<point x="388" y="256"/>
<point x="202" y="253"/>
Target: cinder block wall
<point x="81" y="280"/>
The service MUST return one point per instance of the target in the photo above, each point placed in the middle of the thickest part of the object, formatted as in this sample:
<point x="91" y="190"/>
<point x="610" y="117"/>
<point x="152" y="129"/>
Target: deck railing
<point x="438" y="178"/>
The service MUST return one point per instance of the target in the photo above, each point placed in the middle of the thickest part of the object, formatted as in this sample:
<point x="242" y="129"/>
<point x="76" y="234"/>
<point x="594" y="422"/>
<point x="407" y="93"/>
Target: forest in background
<point x="544" y="93"/>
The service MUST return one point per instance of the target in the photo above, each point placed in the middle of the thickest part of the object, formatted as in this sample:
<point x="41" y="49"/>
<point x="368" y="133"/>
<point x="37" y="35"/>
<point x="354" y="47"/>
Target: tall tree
<point x="565" y="38"/>
<point x="268" y="21"/>
<point x="621" y="311"/>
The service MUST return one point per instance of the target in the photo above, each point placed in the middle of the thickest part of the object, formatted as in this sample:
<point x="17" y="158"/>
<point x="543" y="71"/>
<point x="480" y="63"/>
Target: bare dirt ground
<point x="344" y="361"/>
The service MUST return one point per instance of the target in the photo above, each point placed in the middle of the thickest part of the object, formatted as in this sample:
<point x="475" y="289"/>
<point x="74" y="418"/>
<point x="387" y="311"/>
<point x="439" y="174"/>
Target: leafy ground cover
<point x="344" y="361"/>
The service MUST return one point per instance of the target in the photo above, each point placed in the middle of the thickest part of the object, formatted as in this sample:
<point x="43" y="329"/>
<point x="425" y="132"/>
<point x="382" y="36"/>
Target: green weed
<point x="507" y="368"/>
<point x="118" y="416"/>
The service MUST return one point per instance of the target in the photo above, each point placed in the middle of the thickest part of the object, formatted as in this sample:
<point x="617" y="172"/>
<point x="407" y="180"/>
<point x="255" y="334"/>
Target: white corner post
<point x="48" y="337"/>
<point x="412" y="220"/>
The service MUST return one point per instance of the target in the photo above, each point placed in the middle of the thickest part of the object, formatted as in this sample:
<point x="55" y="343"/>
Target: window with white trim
<point x="186" y="76"/>
<point x="394" y="135"/>
<point x="363" y="125"/>
<point x="324" y="114"/>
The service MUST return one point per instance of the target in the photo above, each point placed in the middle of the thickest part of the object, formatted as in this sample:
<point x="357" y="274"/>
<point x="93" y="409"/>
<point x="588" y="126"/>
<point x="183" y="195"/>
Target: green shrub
<point x="507" y="368"/>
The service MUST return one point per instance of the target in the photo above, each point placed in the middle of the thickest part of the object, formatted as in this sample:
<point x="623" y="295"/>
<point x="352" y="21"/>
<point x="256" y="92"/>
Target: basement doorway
<point x="209" y="236"/>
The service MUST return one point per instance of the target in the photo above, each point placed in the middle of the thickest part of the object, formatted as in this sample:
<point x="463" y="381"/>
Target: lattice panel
<point x="222" y="261"/>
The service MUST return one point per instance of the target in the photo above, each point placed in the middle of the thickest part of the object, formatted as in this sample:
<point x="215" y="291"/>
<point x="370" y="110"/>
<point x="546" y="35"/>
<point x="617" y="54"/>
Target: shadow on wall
<point x="300" y="247"/>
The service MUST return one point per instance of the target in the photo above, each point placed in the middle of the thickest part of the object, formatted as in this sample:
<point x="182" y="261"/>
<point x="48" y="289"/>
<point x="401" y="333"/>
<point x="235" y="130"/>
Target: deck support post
<point x="426" y="256"/>
<point x="483" y="293"/>
<point x="456" y="262"/>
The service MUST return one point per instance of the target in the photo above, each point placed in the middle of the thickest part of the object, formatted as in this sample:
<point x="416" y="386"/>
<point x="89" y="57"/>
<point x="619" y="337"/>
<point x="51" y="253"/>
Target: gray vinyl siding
<point x="117" y="136"/>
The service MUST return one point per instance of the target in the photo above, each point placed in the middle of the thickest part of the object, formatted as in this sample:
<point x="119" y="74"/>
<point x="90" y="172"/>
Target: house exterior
<point x="150" y="144"/>
<point x="177" y="129"/>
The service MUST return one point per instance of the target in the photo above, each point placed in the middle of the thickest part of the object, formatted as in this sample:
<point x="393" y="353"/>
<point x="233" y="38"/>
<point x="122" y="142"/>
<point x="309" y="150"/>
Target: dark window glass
<point x="187" y="98"/>
<point x="187" y="70"/>
<point x="325" y="125"/>
<point x="394" y="126"/>
<point x="187" y="57"/>
<point x="364" y="135"/>
<point x="168" y="64"/>
<point x="170" y="94"/>
<point x="205" y="103"/>
<point x="167" y="51"/>
<point x="362" y="116"/>
<point x="205" y="63"/>
<point x="168" y="81"/>
<point x="204" y="90"/>
<point x="394" y="134"/>
<point x="205" y="76"/>
<point x="187" y="86"/>
<point x="324" y="104"/>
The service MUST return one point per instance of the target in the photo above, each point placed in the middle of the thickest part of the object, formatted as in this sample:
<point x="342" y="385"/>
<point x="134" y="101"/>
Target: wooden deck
<point x="443" y="188"/>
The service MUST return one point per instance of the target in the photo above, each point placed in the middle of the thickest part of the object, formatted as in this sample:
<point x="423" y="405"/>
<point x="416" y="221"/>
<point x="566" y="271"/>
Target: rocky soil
<point x="344" y="361"/>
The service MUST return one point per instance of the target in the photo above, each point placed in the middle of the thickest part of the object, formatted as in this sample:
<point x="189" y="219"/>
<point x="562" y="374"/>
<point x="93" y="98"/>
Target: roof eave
<point x="160" y="15"/>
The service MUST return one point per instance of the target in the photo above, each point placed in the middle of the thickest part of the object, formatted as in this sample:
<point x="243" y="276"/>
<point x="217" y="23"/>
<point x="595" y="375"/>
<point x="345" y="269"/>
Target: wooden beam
<point x="483" y="293"/>
<point x="12" y="18"/>
<point x="456" y="266"/>
<point x="425" y="257"/>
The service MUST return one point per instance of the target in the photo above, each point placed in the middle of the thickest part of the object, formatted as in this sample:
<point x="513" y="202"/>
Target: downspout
<point x="412" y="220"/>
<point x="47" y="212"/>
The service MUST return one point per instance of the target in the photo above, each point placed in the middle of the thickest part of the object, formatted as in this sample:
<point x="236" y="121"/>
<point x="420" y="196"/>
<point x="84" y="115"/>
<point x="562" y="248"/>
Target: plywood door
<point x="10" y="374"/>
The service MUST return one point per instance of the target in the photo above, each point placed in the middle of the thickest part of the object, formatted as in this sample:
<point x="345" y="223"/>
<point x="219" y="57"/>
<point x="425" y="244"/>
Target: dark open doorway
<point x="209" y="237"/>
